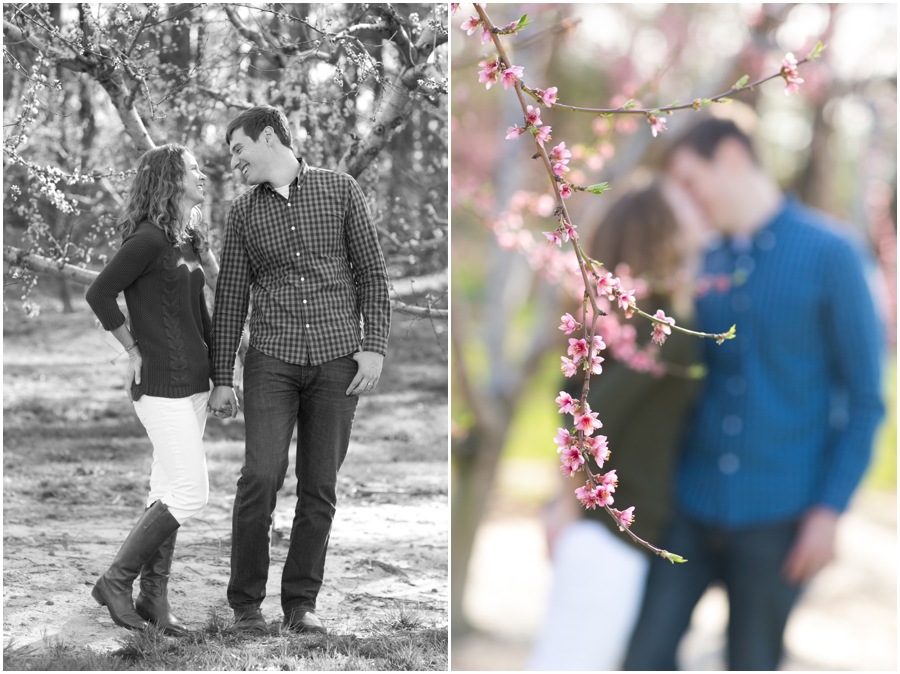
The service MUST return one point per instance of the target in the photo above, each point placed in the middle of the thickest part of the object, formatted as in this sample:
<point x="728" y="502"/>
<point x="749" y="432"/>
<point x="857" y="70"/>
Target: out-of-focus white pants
<point x="592" y="569"/>
<point x="178" y="474"/>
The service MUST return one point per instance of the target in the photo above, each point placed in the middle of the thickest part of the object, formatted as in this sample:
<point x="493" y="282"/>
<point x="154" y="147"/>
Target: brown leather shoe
<point x="250" y="620"/>
<point x="304" y="620"/>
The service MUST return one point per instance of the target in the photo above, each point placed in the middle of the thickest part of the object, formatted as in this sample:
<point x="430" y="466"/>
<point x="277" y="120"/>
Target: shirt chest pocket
<point x="323" y="233"/>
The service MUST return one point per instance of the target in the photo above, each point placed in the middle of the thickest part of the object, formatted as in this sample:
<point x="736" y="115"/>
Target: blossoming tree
<point x="532" y="107"/>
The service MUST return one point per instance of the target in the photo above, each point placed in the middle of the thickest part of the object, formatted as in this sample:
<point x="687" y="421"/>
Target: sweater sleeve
<point x="138" y="254"/>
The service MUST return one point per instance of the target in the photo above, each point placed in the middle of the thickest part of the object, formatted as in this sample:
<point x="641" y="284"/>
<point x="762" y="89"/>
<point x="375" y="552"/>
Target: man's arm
<point x="853" y="332"/>
<point x="369" y="271"/>
<point x="229" y="313"/>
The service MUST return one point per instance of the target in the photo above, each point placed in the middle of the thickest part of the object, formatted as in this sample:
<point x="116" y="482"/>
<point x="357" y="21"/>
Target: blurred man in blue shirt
<point x="767" y="464"/>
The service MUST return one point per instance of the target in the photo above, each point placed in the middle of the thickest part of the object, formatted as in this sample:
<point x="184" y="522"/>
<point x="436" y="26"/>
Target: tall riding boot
<point x="114" y="588"/>
<point x="152" y="603"/>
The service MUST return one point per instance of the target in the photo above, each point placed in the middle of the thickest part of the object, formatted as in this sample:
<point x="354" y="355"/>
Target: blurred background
<point x="833" y="145"/>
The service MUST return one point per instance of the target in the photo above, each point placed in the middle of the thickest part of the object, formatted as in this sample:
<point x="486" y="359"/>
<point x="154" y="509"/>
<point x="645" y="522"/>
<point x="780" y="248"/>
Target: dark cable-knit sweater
<point x="163" y="286"/>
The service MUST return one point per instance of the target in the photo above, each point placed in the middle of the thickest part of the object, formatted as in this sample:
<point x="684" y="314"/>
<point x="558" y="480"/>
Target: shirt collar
<point x="300" y="178"/>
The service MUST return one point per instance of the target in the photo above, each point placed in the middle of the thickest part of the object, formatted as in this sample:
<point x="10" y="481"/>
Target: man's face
<point x="706" y="182"/>
<point x="252" y="158"/>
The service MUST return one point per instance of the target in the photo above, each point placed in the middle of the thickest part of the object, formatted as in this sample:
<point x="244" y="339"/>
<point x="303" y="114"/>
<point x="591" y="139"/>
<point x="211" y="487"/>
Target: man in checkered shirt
<point x="301" y="243"/>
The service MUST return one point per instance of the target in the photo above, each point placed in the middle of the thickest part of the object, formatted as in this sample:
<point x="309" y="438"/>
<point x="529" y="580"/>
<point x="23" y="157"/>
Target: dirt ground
<point x="76" y="466"/>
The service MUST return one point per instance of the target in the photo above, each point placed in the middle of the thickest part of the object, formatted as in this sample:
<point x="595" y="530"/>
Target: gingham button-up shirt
<point x="313" y="267"/>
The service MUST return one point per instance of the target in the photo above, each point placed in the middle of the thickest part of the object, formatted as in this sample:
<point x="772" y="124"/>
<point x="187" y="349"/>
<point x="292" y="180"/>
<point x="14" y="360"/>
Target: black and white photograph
<point x="225" y="358"/>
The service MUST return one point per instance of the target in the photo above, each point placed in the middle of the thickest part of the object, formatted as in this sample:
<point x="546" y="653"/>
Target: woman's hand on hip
<point x="133" y="375"/>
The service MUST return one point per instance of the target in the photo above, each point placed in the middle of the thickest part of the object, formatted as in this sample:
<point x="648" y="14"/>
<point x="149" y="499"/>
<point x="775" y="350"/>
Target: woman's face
<point x="194" y="180"/>
<point x="693" y="228"/>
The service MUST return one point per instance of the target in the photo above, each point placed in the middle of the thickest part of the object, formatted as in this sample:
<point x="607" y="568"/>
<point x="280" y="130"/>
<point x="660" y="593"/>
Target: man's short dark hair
<point x="257" y="118"/>
<point x="704" y="137"/>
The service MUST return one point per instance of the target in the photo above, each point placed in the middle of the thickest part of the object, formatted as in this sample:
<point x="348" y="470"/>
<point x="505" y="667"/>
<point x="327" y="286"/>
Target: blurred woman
<point x="599" y="573"/>
<point x="158" y="270"/>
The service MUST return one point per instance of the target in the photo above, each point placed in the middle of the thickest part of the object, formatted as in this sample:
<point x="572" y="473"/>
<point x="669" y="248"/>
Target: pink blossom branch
<point x="696" y="104"/>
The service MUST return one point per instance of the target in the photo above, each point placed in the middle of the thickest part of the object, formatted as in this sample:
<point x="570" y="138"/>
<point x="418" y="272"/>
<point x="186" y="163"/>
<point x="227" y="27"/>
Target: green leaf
<point x="728" y="335"/>
<point x="524" y="21"/>
<point x="599" y="188"/>
<point x="706" y="101"/>
<point x="723" y="100"/>
<point x="741" y="82"/>
<point x="627" y="105"/>
<point x="817" y="51"/>
<point x="672" y="557"/>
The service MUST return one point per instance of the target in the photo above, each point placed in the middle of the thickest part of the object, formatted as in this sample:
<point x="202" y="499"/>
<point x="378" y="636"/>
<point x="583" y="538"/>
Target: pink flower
<point x="657" y="124"/>
<point x="553" y="237"/>
<point x="488" y="79"/>
<point x="789" y="73"/>
<point x="567" y="403"/>
<point x="490" y="66"/>
<point x="565" y="191"/>
<point x="533" y="115"/>
<point x="572" y="461"/>
<point x="548" y="96"/>
<point x="587" y="496"/>
<point x="543" y="135"/>
<point x="660" y="330"/>
<point x="568" y="366"/>
<point x="570" y="231"/>
<point x="603" y="494"/>
<point x="607" y="285"/>
<point x="598" y="344"/>
<point x="587" y="421"/>
<point x="577" y="349"/>
<point x="596" y="368"/>
<point x="560" y="169"/>
<point x="626" y="302"/>
<point x="560" y="153"/>
<point x="511" y="74"/>
<point x="563" y="439"/>
<point x="625" y="518"/>
<point x="569" y="324"/>
<point x="598" y="448"/>
<point x="514" y="132"/>
<point x="454" y="7"/>
<point x="485" y="35"/>
<point x="471" y="24"/>
<point x="611" y="480"/>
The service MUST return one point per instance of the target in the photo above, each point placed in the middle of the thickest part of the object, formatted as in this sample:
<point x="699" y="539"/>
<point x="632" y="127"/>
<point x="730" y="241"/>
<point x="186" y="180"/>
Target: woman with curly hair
<point x="158" y="270"/>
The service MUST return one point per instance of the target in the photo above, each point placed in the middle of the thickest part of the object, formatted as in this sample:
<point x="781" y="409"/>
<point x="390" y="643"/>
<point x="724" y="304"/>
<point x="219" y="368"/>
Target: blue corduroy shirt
<point x="790" y="407"/>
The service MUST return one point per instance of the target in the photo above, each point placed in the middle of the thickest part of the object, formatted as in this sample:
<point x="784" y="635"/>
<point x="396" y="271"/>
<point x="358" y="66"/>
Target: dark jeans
<point x="748" y="562"/>
<point x="276" y="396"/>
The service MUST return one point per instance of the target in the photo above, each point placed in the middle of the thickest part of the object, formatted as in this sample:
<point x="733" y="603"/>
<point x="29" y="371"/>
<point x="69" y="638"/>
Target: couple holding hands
<point x="302" y="244"/>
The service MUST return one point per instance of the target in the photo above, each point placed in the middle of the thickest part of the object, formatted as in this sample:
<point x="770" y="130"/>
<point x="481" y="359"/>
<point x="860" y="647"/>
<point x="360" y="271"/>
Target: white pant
<point x="178" y="475"/>
<point x="592" y="568"/>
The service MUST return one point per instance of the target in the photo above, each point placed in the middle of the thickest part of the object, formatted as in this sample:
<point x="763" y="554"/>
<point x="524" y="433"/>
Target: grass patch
<point x="400" y="641"/>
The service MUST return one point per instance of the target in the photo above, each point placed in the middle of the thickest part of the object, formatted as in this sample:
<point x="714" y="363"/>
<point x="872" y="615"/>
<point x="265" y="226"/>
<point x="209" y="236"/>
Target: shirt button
<point x="732" y="425"/>
<point x="304" y="301"/>
<point x="736" y="385"/>
<point x="307" y="325"/>
<point x="298" y="254"/>
<point x="302" y="279"/>
<point x="289" y="204"/>
<point x="729" y="464"/>
<point x="293" y="228"/>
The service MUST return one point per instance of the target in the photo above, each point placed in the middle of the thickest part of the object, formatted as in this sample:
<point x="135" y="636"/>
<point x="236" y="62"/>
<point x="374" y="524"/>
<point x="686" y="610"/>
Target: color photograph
<point x="673" y="336"/>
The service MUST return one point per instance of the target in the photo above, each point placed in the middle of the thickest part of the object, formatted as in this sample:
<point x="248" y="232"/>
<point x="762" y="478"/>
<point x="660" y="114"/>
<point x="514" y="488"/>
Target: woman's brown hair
<point x="156" y="193"/>
<point x="641" y="231"/>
